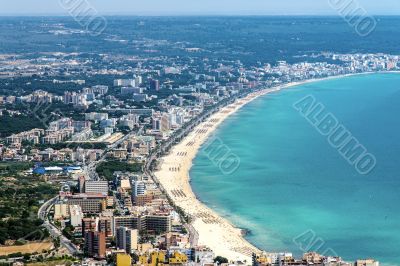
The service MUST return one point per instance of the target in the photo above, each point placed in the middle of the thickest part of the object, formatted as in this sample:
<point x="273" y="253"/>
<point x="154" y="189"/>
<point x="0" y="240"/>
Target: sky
<point x="200" y="7"/>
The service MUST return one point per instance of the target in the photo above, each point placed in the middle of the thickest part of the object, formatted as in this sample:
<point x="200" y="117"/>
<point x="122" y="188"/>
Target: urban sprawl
<point x="99" y="145"/>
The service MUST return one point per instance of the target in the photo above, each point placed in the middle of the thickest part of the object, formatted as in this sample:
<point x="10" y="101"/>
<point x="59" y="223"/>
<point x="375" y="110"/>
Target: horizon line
<point x="145" y="14"/>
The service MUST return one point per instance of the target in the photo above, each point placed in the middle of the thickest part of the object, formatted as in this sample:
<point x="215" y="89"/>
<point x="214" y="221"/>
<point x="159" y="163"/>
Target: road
<point x="53" y="230"/>
<point x="193" y="235"/>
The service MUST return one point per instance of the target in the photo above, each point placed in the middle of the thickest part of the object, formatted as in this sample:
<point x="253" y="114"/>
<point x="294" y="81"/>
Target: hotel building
<point x="127" y="239"/>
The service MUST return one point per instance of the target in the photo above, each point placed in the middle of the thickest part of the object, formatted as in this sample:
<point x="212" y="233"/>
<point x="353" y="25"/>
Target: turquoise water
<point x="292" y="187"/>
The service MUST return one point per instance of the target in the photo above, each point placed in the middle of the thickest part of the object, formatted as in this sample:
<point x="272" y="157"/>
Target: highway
<point x="53" y="230"/>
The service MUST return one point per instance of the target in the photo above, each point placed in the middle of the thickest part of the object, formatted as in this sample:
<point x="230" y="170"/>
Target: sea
<point x="295" y="192"/>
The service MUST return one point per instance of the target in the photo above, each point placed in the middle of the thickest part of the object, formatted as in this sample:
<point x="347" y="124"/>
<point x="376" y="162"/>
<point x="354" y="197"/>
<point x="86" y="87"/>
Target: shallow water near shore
<point x="293" y="191"/>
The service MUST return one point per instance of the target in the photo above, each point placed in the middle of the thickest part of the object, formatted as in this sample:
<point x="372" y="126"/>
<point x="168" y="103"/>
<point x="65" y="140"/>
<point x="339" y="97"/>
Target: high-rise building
<point x="154" y="84"/>
<point x="60" y="211"/>
<point x="105" y="225"/>
<point x="131" y="222"/>
<point x="156" y="223"/>
<point x="138" y="80"/>
<point x="62" y="123"/>
<point x="76" y="215"/>
<point x="159" y="223"/>
<point x="165" y="123"/>
<point x="100" y="89"/>
<point x="139" y="188"/>
<point x="88" y="225"/>
<point x="141" y="200"/>
<point x="95" y="244"/>
<point x="81" y="184"/>
<point x="90" y="203"/>
<point x="74" y="98"/>
<point x="127" y="239"/>
<point x="156" y="124"/>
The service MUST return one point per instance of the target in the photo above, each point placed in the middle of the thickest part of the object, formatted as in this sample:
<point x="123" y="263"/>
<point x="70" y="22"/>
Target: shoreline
<point x="214" y="231"/>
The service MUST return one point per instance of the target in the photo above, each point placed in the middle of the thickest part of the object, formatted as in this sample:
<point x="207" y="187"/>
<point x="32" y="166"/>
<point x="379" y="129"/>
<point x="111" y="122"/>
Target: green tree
<point x="220" y="259"/>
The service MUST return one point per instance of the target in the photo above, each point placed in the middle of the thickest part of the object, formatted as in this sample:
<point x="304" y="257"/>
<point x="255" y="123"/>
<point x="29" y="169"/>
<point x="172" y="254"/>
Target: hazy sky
<point x="199" y="7"/>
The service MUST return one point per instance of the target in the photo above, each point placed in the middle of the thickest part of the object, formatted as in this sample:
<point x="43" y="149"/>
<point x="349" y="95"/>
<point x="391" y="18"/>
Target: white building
<point x="124" y="82"/>
<point x="96" y="116"/>
<point x="76" y="215"/>
<point x="138" y="80"/>
<point x="139" y="188"/>
<point x="96" y="187"/>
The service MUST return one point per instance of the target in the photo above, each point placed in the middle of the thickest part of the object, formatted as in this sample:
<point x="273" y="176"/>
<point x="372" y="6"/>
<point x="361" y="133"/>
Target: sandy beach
<point x="214" y="231"/>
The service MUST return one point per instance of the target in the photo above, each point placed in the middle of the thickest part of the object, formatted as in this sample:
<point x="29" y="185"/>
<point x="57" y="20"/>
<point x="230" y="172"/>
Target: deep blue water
<point x="292" y="182"/>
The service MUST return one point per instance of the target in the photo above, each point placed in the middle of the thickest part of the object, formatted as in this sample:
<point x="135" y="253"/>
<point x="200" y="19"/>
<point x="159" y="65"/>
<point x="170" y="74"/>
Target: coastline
<point x="214" y="231"/>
